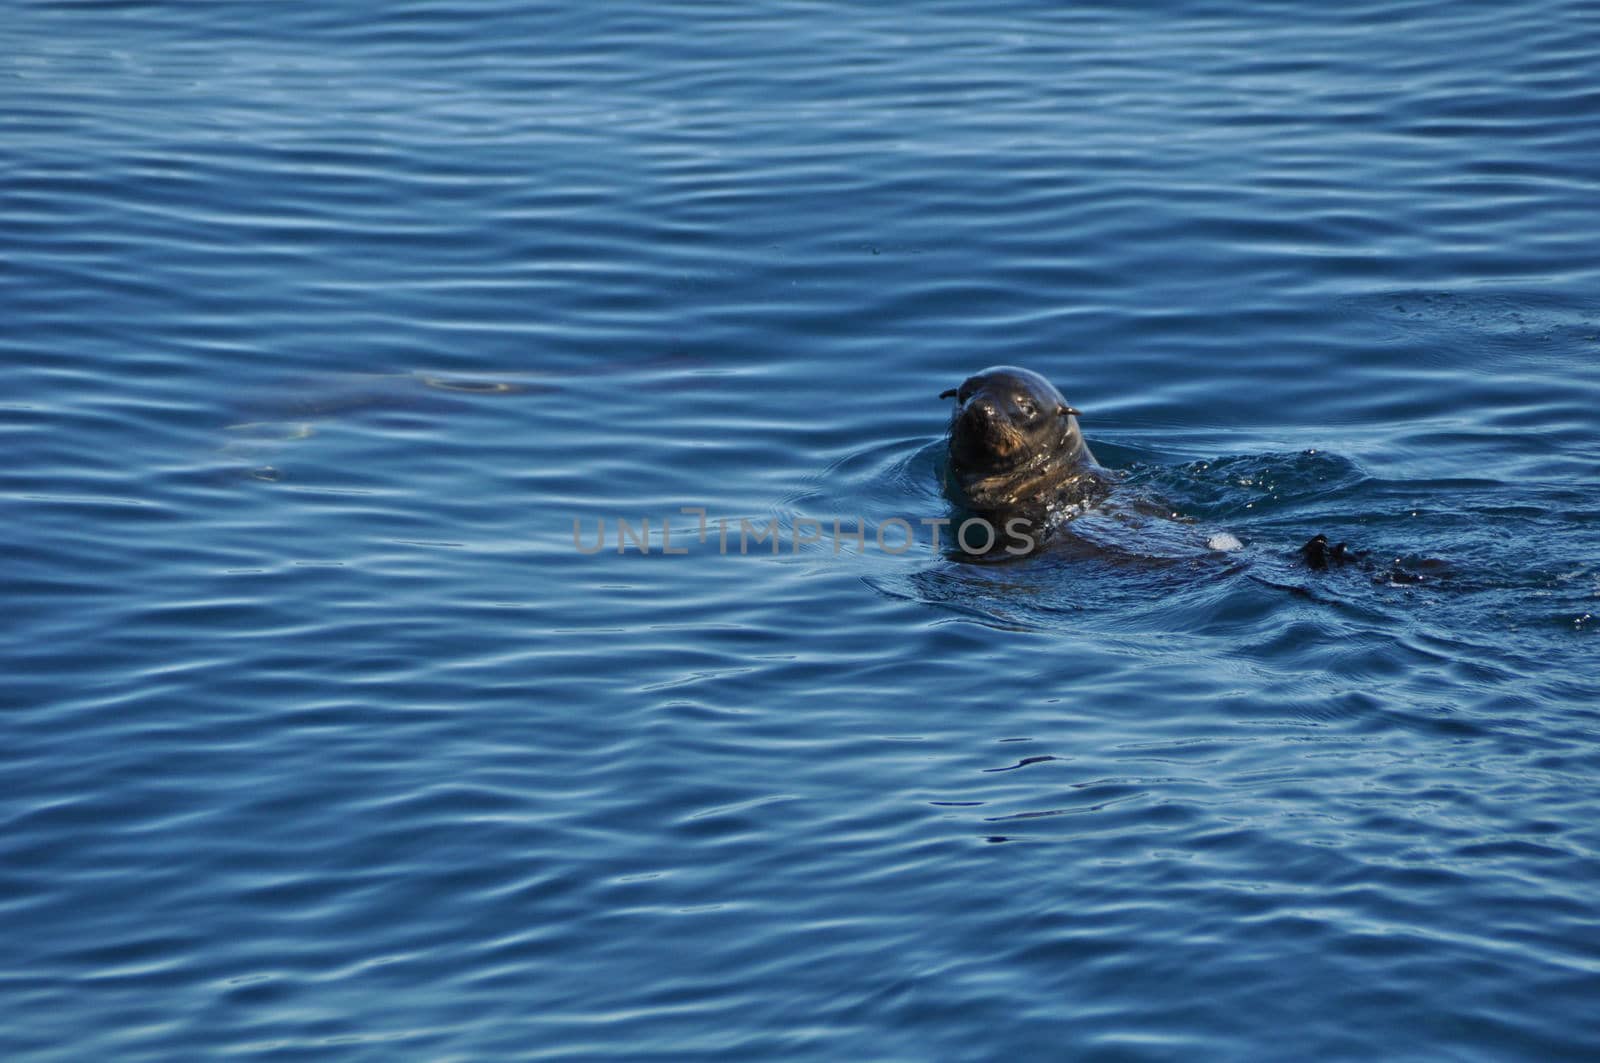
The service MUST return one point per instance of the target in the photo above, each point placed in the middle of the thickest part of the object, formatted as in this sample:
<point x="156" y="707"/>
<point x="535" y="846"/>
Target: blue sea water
<point x="325" y="324"/>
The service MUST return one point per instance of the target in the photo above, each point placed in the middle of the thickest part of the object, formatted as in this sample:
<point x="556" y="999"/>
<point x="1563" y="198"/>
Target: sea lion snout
<point x="983" y="432"/>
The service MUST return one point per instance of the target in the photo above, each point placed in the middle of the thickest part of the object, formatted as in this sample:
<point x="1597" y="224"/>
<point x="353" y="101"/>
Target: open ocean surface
<point x="324" y="322"/>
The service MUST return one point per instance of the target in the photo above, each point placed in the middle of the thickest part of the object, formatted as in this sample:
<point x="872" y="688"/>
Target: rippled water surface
<point x="325" y="322"/>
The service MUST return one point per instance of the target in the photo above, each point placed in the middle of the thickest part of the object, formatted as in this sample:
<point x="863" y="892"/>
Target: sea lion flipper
<point x="1315" y="551"/>
<point x="1319" y="553"/>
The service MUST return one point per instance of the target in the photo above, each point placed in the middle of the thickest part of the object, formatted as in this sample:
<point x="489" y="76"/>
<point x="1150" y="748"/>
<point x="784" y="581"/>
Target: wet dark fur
<point x="1015" y="444"/>
<point x="1015" y="450"/>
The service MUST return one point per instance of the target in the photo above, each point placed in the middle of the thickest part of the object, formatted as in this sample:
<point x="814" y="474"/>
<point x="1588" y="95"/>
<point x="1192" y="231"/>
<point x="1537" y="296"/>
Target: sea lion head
<point x="1008" y="420"/>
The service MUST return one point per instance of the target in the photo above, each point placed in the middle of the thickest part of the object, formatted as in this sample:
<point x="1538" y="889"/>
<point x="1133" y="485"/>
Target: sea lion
<point x="1015" y="444"/>
<point x="1015" y="451"/>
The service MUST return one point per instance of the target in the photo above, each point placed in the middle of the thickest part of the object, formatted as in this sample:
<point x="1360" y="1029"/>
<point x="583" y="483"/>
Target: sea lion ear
<point x="952" y="393"/>
<point x="1063" y="408"/>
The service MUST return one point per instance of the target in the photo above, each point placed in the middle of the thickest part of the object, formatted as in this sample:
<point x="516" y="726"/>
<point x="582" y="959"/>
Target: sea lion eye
<point x="1025" y="406"/>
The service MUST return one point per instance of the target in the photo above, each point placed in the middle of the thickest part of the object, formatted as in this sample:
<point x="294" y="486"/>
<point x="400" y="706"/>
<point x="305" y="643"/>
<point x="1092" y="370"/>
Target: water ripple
<point x="324" y="329"/>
